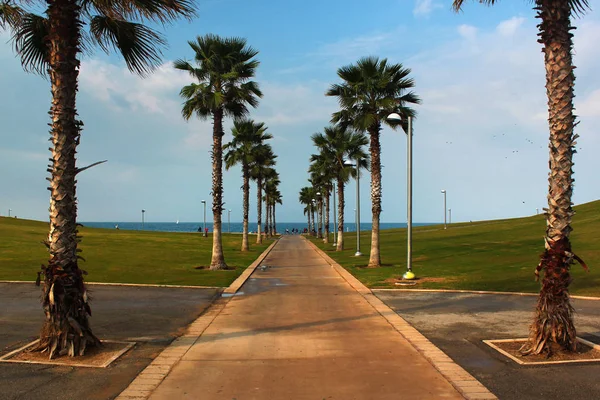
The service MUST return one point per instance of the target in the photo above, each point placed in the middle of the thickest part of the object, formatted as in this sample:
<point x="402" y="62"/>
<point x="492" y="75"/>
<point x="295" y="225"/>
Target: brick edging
<point x="466" y="384"/>
<point x="148" y="380"/>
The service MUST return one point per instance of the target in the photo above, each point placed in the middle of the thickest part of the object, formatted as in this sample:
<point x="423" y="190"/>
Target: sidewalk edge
<point x="152" y="376"/>
<point x="466" y="384"/>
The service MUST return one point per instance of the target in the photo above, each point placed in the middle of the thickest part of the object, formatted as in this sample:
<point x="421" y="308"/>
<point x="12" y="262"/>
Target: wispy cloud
<point x="425" y="7"/>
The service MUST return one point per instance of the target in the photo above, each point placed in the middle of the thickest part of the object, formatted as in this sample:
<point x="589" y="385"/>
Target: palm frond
<point x="10" y="15"/>
<point x="138" y="44"/>
<point x="31" y="44"/>
<point x="162" y="11"/>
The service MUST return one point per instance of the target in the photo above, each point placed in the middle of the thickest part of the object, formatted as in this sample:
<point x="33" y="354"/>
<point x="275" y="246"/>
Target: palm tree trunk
<point x="327" y="216"/>
<point x="246" y="189"/>
<point x="553" y="326"/>
<point x="259" y="209"/>
<point x="64" y="297"/>
<point x="375" y="148"/>
<point x="218" y="258"/>
<point x="268" y="212"/>
<point x="313" y="221"/>
<point x="340" y="211"/>
<point x="308" y="218"/>
<point x="274" y="221"/>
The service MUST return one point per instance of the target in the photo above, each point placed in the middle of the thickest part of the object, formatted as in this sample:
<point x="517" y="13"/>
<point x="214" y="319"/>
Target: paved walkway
<point x="299" y="331"/>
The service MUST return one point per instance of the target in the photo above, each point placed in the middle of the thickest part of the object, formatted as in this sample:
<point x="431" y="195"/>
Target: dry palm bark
<point x="246" y="189"/>
<point x="259" y="209"/>
<point x="66" y="329"/>
<point x="553" y="326"/>
<point x="375" y="149"/>
<point x="218" y="258"/>
<point x="340" y="211"/>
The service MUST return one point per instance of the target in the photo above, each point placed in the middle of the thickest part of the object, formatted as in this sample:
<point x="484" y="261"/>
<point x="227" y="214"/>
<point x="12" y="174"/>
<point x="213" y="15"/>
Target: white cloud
<point x="510" y="26"/>
<point x="467" y="31"/>
<point x="425" y="7"/>
<point x="590" y="105"/>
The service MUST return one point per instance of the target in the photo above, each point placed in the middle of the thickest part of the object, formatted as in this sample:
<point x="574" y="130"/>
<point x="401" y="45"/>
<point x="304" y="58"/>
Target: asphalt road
<point x="151" y="317"/>
<point x="457" y="324"/>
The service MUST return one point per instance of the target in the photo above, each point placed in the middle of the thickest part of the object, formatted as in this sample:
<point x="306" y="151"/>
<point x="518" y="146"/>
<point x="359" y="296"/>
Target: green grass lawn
<point x="489" y="255"/>
<point x="125" y="256"/>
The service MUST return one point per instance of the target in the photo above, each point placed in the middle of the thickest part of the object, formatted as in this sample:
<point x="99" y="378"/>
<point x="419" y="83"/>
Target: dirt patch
<point x="98" y="357"/>
<point x="393" y="281"/>
<point x="583" y="353"/>
<point x="207" y="268"/>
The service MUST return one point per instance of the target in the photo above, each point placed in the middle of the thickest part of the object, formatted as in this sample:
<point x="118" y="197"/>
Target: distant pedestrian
<point x="205" y="231"/>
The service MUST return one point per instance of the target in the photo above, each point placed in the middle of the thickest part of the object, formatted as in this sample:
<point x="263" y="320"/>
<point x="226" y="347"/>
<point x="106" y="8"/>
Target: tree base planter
<point x="100" y="357"/>
<point x="586" y="352"/>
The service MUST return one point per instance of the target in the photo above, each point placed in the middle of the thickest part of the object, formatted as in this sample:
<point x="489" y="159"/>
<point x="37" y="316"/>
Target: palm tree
<point x="276" y="199"/>
<point x="338" y="143"/>
<point x="370" y="91"/>
<point x="553" y="325"/>
<point x="305" y="197"/>
<point x="53" y="45"/>
<point x="271" y="181"/>
<point x="248" y="136"/>
<point x="224" y="88"/>
<point x="264" y="159"/>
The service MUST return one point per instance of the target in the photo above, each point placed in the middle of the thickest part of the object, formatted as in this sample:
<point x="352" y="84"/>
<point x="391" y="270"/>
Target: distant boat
<point x="177" y="222"/>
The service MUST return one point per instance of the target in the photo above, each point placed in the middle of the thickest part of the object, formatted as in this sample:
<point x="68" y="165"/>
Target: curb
<point x="477" y="292"/>
<point x="134" y="285"/>
<point x="469" y="387"/>
<point x="148" y="380"/>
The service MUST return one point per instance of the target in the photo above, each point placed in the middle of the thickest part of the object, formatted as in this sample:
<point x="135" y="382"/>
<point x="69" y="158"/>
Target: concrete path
<point x="299" y="331"/>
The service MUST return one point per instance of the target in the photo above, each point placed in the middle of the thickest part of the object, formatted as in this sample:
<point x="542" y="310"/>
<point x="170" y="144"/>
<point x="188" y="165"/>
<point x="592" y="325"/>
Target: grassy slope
<point x="124" y="256"/>
<point x="491" y="255"/>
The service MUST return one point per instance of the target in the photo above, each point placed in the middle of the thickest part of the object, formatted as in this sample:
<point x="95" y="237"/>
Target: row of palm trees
<point x="257" y="160"/>
<point x="223" y="71"/>
<point x="371" y="89"/>
<point x="336" y="146"/>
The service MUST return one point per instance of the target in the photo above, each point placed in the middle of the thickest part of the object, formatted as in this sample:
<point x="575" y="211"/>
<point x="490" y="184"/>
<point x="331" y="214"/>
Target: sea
<point x="233" y="227"/>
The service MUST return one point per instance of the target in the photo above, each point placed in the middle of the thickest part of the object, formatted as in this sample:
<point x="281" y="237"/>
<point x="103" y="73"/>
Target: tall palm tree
<point x="225" y="67"/>
<point x="322" y="166"/>
<point x="553" y="323"/>
<point x="276" y="199"/>
<point x="271" y="181"/>
<point x="370" y="90"/>
<point x="263" y="161"/>
<point x="53" y="45"/>
<point x="305" y="197"/>
<point x="248" y="136"/>
<point x="339" y="143"/>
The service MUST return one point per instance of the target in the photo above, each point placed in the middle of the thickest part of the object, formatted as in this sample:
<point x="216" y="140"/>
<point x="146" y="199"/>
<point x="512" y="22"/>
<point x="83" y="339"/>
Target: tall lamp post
<point x="450" y="216"/>
<point x="9" y="210"/>
<point x="396" y="118"/>
<point x="204" y="224"/>
<point x="349" y="163"/>
<point x="229" y="221"/>
<point x="444" y="192"/>
<point x="143" y="211"/>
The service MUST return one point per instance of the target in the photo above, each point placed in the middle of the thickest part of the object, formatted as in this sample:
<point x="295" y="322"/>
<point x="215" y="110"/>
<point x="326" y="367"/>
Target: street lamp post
<point x="9" y="210"/>
<point x="444" y="192"/>
<point x="349" y="163"/>
<point x="229" y="221"/>
<point x="204" y="224"/>
<point x="143" y="211"/>
<point x="450" y="216"/>
<point x="395" y="117"/>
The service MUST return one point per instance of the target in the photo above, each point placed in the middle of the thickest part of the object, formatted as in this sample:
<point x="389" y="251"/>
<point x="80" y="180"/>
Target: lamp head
<point x="443" y="191"/>
<point x="394" y="117"/>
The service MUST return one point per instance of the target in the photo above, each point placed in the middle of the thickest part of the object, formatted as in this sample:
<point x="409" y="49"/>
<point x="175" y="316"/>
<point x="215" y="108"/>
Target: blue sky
<point x="481" y="132"/>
